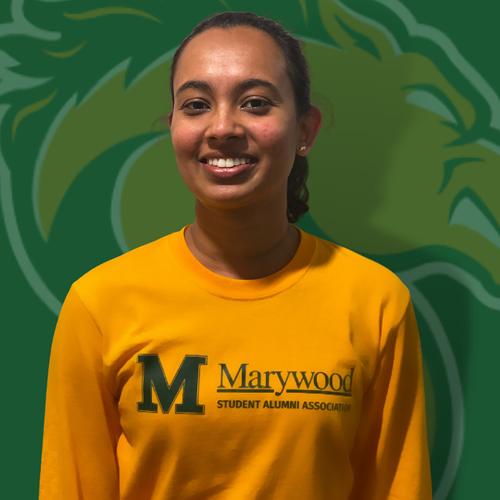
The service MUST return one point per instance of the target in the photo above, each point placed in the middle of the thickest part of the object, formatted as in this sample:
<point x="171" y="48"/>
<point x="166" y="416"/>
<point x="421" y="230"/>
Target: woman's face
<point x="234" y="102"/>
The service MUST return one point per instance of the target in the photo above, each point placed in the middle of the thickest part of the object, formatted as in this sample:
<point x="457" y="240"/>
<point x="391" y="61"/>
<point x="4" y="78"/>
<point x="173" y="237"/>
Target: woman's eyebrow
<point x="257" y="82"/>
<point x="248" y="84"/>
<point x="194" y="84"/>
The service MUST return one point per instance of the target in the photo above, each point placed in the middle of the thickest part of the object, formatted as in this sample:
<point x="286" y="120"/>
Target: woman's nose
<point x="224" y="125"/>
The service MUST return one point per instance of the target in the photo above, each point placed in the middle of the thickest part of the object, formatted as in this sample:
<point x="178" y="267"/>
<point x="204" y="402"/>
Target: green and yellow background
<point x="406" y="170"/>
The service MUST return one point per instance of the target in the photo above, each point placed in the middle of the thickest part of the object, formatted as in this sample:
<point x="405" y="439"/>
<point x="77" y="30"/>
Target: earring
<point x="302" y="148"/>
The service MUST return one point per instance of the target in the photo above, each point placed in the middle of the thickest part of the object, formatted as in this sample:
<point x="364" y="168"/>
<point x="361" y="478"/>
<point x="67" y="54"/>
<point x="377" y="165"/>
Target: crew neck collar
<point x="224" y="286"/>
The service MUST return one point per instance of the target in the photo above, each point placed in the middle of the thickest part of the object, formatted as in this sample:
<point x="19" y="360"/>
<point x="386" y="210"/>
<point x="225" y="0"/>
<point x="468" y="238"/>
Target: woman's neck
<point x="247" y="243"/>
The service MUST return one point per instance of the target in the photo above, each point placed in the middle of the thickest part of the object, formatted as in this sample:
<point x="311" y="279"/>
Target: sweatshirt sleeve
<point x="390" y="457"/>
<point x="81" y="427"/>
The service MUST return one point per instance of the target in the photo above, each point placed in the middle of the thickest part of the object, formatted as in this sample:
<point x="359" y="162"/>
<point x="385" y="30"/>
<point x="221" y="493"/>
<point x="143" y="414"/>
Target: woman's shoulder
<point x="137" y="265"/>
<point x="359" y="273"/>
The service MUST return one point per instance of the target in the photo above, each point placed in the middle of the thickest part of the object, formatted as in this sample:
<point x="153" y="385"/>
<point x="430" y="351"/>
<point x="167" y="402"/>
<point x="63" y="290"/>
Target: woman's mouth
<point x="226" y="167"/>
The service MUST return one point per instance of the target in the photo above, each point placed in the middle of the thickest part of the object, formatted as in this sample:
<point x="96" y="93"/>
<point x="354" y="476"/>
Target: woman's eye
<point x="194" y="106"/>
<point x="256" y="104"/>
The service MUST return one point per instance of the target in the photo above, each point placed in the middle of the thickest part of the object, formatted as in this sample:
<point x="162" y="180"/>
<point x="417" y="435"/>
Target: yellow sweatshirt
<point x="169" y="381"/>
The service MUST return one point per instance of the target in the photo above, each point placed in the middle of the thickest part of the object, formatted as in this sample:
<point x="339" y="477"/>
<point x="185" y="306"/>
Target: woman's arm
<point x="81" y="426"/>
<point x="390" y="457"/>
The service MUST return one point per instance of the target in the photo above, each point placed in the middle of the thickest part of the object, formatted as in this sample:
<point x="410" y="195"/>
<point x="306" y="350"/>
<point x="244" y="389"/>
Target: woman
<point x="239" y="357"/>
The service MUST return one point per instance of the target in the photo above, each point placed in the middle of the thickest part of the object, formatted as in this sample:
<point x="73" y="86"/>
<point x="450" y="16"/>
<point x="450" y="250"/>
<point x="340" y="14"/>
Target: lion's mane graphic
<point x="406" y="168"/>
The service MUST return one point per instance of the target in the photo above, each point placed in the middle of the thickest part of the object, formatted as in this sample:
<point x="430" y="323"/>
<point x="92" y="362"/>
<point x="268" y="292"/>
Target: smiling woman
<point x="234" y="100"/>
<point x="149" y="346"/>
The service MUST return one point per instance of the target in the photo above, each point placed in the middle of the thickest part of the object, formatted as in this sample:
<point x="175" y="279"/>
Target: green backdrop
<point x="406" y="170"/>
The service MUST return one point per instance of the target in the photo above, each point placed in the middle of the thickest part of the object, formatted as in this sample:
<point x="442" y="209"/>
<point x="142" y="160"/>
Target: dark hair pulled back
<point x="296" y="67"/>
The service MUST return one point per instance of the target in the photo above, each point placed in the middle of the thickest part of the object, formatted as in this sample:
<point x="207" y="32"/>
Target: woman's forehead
<point x="239" y="52"/>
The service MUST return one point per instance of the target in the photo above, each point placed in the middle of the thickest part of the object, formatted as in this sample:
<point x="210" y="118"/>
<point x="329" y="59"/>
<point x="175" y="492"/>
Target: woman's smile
<point x="228" y="168"/>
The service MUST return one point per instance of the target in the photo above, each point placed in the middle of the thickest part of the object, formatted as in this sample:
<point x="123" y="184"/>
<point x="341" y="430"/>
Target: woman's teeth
<point x="227" y="162"/>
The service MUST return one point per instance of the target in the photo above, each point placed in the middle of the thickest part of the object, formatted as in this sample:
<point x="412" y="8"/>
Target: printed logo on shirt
<point x="278" y="382"/>
<point x="187" y="378"/>
<point x="239" y="381"/>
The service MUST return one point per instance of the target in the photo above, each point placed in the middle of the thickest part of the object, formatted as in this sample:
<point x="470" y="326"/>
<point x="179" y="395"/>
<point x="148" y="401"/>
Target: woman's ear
<point x="310" y="124"/>
<point x="169" y="119"/>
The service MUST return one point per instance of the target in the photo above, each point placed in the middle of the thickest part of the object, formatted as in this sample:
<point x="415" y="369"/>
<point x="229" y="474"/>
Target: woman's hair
<point x="296" y="67"/>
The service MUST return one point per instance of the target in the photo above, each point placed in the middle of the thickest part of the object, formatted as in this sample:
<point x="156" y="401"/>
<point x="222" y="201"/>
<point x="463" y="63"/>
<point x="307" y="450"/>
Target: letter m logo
<point x="187" y="378"/>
